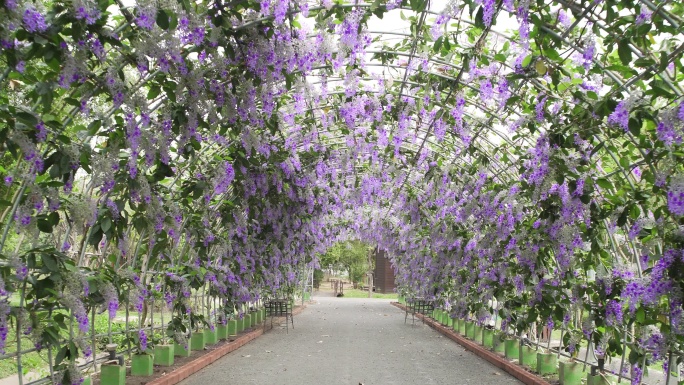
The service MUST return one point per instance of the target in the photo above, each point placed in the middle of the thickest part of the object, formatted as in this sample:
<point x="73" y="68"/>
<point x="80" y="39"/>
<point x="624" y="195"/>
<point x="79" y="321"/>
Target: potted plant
<point x="527" y="355"/>
<point x="222" y="327"/>
<point x="197" y="337"/>
<point x="142" y="363"/>
<point x="470" y="329"/>
<point x="547" y="363"/>
<point x="488" y="337"/>
<point x="498" y="341"/>
<point x="112" y="372"/>
<point x="477" y="332"/>
<point x="571" y="372"/>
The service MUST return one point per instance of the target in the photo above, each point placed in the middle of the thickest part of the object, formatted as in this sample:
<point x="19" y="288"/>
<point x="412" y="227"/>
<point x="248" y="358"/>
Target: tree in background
<point x="352" y="256"/>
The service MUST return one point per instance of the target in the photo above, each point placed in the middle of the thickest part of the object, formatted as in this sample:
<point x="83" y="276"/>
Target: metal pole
<point x="20" y="370"/>
<point x="93" y="342"/>
<point x="669" y="368"/>
<point x="128" y="331"/>
<point x="622" y="361"/>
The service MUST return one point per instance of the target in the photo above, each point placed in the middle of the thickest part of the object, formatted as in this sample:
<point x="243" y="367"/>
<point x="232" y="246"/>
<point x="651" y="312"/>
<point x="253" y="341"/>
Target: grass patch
<point x="356" y="293"/>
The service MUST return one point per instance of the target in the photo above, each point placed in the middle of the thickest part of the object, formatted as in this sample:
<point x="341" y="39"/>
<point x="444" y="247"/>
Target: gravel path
<point x="351" y="341"/>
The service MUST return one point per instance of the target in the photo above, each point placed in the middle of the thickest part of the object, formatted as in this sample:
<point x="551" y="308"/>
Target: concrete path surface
<point x="347" y="341"/>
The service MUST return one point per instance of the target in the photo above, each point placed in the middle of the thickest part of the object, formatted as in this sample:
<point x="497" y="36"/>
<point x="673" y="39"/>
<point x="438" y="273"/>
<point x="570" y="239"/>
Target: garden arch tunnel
<point x="524" y="151"/>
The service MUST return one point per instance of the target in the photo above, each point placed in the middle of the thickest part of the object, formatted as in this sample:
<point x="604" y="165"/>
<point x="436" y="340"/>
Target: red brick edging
<point x="480" y="351"/>
<point x="200" y="363"/>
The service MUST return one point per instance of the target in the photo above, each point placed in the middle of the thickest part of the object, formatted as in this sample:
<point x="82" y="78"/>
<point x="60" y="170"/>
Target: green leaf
<point x="644" y="62"/>
<point x="663" y="61"/>
<point x="640" y="316"/>
<point x="604" y="183"/>
<point x="527" y="60"/>
<point x="634" y="126"/>
<point x="153" y="92"/>
<point x="50" y="262"/>
<point x="163" y="20"/>
<point x="624" y="51"/>
<point x="438" y="44"/>
<point x="44" y="226"/>
<point x="106" y="224"/>
<point x="61" y="355"/>
<point x="27" y="118"/>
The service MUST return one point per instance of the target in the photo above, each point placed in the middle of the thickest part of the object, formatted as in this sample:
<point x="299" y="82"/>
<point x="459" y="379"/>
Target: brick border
<point x="194" y="366"/>
<point x="495" y="359"/>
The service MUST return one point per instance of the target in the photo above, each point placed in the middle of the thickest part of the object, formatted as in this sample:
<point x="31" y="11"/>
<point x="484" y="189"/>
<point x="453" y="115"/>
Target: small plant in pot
<point x="142" y="363"/>
<point x="571" y="372"/>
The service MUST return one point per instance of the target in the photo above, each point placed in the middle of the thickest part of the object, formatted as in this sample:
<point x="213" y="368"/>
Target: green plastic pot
<point x="570" y="373"/>
<point x="512" y="349"/>
<point x="163" y="355"/>
<point x="450" y="321"/>
<point x="142" y="365"/>
<point x="255" y="318"/>
<point x="248" y="320"/>
<point x="488" y="338"/>
<point x="462" y="327"/>
<point x="210" y="337"/>
<point x="240" y="325"/>
<point x="87" y="380"/>
<point x="197" y="341"/>
<point x="456" y="324"/>
<point x="546" y="363"/>
<point x="498" y="342"/>
<point x="113" y="375"/>
<point x="436" y="314"/>
<point x="600" y="379"/>
<point x="470" y="329"/>
<point x="181" y="351"/>
<point x="527" y="356"/>
<point x="444" y="319"/>
<point x="232" y="327"/>
<point x="222" y="332"/>
<point x="477" y="337"/>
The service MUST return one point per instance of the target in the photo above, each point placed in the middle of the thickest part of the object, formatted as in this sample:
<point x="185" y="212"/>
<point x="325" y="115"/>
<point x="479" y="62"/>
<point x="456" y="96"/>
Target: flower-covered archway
<point x="522" y="152"/>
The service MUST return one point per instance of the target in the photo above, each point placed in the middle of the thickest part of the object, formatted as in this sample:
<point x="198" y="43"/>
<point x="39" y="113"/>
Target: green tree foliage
<point x="352" y="256"/>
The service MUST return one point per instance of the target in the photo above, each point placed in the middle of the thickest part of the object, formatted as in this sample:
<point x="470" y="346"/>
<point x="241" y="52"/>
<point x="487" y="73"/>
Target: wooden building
<point x="383" y="274"/>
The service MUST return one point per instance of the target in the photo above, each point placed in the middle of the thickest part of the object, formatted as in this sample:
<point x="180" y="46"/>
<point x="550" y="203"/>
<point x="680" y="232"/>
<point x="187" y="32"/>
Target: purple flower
<point x="9" y="180"/>
<point x="675" y="196"/>
<point x="41" y="132"/>
<point x="620" y="117"/>
<point x="643" y="17"/>
<point x="637" y="374"/>
<point x="143" y="340"/>
<point x="34" y="21"/>
<point x="588" y="54"/>
<point x="488" y="6"/>
<point x="486" y="91"/>
<point x="146" y="18"/>
<point x="21" y="66"/>
<point x="539" y="109"/>
<point x="614" y="314"/>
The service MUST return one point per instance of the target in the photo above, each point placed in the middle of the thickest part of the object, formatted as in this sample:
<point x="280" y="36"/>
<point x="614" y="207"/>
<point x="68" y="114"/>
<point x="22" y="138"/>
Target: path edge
<point x="194" y="366"/>
<point x="480" y="351"/>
